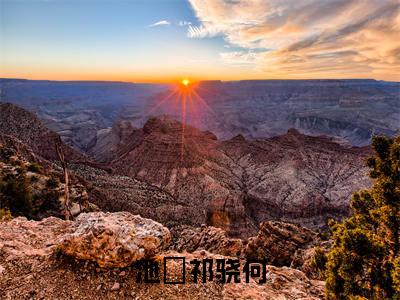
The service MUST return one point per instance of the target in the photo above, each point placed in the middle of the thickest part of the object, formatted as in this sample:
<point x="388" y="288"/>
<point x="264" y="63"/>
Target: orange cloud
<point x="335" y="38"/>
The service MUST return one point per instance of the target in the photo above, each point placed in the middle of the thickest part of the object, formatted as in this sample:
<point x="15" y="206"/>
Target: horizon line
<point x="205" y="80"/>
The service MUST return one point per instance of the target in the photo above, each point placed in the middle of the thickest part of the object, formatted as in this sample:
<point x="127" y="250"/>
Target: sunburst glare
<point x="184" y="103"/>
<point x="185" y="82"/>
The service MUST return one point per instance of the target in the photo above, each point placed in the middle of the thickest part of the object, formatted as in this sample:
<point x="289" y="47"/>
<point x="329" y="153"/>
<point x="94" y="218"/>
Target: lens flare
<point x="184" y="102"/>
<point x="185" y="82"/>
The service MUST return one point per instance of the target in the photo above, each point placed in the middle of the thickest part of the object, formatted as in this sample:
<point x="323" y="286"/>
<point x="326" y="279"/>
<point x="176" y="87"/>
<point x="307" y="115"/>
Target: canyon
<point x="255" y="170"/>
<point x="182" y="176"/>
<point x="350" y="110"/>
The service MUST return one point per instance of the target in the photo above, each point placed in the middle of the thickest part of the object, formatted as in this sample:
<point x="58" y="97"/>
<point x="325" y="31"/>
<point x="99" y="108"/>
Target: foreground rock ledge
<point x="114" y="239"/>
<point x="30" y="270"/>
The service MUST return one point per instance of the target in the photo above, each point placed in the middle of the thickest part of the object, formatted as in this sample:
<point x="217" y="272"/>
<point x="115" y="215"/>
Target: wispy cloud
<point x="160" y="23"/>
<point x="202" y="31"/>
<point x="308" y="38"/>
<point x="184" y="23"/>
<point x="241" y="57"/>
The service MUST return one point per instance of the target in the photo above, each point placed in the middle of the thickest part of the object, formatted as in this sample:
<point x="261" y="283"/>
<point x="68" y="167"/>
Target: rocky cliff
<point x="297" y="177"/>
<point x="26" y="127"/>
<point x="180" y="175"/>
<point x="238" y="183"/>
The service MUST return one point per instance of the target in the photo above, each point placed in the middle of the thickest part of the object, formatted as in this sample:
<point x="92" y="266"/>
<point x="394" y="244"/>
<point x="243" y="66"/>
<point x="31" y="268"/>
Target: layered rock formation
<point x="238" y="183"/>
<point x="108" y="142"/>
<point x="212" y="239"/>
<point x="298" y="178"/>
<point x="26" y="127"/>
<point x="180" y="175"/>
<point x="352" y="110"/>
<point x="188" y="164"/>
<point x="278" y="242"/>
<point x="112" y="192"/>
<point x="87" y="181"/>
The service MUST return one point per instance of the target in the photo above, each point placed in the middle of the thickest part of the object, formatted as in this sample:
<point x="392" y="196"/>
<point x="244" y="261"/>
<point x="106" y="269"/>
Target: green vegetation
<point x="318" y="261"/>
<point x="5" y="215"/>
<point x="6" y="153"/>
<point x="52" y="183"/>
<point x="364" y="261"/>
<point x="34" y="179"/>
<point x="49" y="202"/>
<point x="15" y="194"/>
<point x="34" y="167"/>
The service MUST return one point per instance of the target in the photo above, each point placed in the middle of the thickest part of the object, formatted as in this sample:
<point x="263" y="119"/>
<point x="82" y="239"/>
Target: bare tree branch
<point x="61" y="157"/>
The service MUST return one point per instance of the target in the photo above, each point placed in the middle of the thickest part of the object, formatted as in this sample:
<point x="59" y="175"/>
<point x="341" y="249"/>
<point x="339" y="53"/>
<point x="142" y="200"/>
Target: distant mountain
<point x="238" y="183"/>
<point x="76" y="110"/>
<point x="351" y="110"/>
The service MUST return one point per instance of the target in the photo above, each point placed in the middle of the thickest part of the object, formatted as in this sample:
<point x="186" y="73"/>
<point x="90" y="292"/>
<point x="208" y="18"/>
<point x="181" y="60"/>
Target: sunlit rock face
<point x="208" y="238"/>
<point x="278" y="242"/>
<point x="115" y="239"/>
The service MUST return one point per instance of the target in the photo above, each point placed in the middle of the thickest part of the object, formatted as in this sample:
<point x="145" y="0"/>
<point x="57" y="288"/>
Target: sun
<point x="185" y="82"/>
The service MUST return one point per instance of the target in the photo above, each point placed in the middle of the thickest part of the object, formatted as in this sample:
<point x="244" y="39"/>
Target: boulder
<point x="208" y="238"/>
<point x="278" y="242"/>
<point x="114" y="239"/>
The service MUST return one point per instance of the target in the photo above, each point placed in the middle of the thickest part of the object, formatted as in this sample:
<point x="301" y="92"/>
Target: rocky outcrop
<point x="110" y="142"/>
<point x="112" y="192"/>
<point x="114" y="239"/>
<point x="31" y="267"/>
<point x="279" y="242"/>
<point x="312" y="260"/>
<point x="26" y="127"/>
<point x="212" y="239"/>
<point x="236" y="184"/>
<point x="21" y="239"/>
<point x="186" y="163"/>
<point x="298" y="178"/>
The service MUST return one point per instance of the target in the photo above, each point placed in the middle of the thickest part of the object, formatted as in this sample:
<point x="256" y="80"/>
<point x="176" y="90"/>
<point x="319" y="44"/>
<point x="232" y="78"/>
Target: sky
<point x="167" y="40"/>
